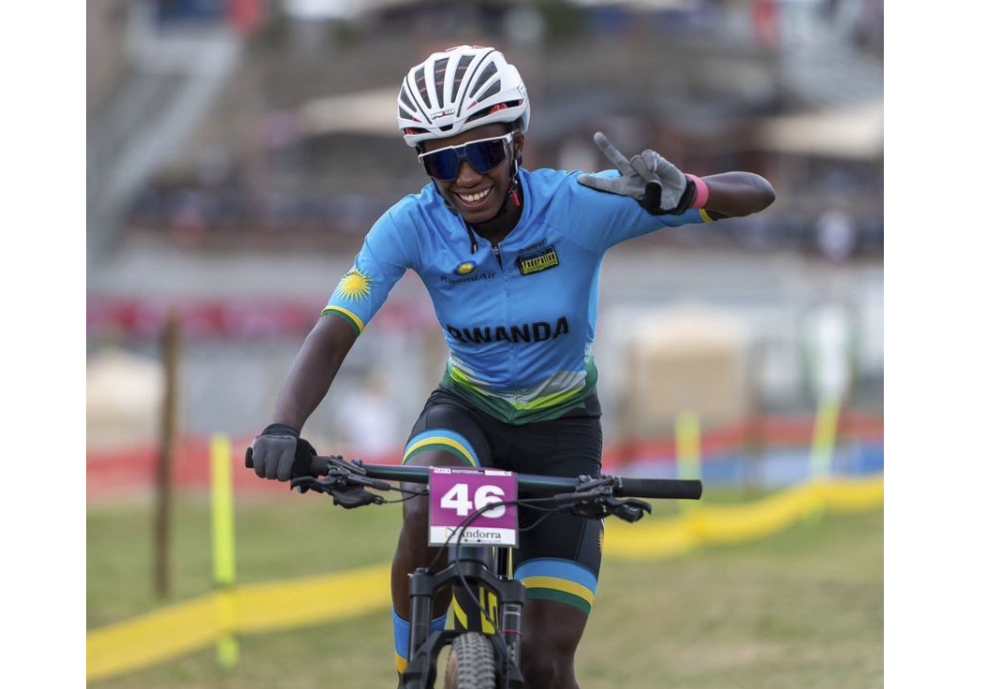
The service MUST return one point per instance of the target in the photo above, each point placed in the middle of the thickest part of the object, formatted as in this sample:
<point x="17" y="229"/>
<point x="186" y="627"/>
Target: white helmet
<point x="458" y="89"/>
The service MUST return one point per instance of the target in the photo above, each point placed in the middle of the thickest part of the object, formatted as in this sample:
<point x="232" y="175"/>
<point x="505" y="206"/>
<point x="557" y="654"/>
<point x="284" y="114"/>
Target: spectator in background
<point x="369" y="420"/>
<point x="836" y="235"/>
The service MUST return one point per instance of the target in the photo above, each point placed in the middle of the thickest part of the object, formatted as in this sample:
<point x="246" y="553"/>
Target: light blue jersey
<point x="520" y="320"/>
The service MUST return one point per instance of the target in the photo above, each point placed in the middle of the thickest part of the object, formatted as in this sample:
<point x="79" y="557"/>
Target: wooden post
<point x="170" y="348"/>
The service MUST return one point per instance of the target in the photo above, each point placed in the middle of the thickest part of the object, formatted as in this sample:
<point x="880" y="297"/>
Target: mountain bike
<point x="473" y="520"/>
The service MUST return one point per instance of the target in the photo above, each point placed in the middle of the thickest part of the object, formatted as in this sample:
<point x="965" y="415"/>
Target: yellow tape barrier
<point x="200" y="623"/>
<point x="181" y="629"/>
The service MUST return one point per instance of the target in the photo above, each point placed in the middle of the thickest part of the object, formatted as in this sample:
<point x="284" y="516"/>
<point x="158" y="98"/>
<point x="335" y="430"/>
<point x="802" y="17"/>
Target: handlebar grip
<point x="669" y="489"/>
<point x="317" y="464"/>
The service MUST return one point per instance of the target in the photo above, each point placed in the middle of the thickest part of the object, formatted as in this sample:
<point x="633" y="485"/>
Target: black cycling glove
<point x="279" y="453"/>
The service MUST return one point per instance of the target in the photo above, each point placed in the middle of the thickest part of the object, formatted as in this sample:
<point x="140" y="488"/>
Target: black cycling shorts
<point x="559" y="555"/>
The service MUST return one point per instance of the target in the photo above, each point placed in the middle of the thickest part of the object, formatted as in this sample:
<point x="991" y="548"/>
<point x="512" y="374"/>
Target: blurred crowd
<point x="698" y="80"/>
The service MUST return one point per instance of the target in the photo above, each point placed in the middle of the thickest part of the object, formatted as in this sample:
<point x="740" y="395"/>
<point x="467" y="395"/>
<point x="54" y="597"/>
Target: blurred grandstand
<point x="238" y="150"/>
<point x="251" y="124"/>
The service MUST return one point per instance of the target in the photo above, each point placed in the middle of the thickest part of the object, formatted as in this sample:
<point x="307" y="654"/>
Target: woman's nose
<point x="467" y="173"/>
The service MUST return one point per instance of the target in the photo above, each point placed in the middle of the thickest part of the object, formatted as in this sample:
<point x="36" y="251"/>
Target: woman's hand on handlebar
<point x="279" y="453"/>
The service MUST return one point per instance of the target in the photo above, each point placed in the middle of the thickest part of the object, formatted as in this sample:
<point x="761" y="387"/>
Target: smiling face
<point x="478" y="197"/>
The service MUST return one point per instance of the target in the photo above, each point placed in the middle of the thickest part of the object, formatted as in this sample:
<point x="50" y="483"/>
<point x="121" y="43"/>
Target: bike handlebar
<point x="654" y="488"/>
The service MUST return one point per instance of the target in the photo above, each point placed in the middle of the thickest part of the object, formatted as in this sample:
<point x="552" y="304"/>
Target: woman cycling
<point x="511" y="259"/>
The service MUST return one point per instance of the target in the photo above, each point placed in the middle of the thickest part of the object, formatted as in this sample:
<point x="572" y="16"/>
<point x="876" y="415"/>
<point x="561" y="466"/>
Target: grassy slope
<point x="802" y="608"/>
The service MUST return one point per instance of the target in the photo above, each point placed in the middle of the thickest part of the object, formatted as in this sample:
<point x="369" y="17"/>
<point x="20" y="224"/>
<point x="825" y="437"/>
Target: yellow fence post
<point x="824" y="439"/>
<point x="823" y="446"/>
<point x="224" y="549"/>
<point x="687" y="430"/>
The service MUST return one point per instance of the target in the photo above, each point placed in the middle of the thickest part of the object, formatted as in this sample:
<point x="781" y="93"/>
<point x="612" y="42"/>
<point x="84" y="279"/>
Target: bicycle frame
<point x="477" y="567"/>
<point x="484" y="568"/>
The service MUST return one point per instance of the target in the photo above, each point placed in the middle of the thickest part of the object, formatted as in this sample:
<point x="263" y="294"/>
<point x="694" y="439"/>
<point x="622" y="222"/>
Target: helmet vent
<point x="491" y="91"/>
<point x="490" y="71"/>
<point x="404" y="98"/>
<point x="422" y="86"/>
<point x="440" y="67"/>
<point x="460" y="70"/>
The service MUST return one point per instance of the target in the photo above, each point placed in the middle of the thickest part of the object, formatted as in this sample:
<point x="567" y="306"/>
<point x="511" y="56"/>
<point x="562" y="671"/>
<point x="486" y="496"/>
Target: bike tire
<point x="472" y="662"/>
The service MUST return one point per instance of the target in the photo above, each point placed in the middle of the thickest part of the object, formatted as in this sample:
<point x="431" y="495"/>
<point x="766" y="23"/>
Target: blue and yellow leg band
<point x="446" y="441"/>
<point x="401" y="632"/>
<point x="563" y="581"/>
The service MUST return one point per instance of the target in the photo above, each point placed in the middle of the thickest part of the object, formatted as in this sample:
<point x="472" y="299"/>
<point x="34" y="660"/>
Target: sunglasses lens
<point x="483" y="156"/>
<point x="442" y="165"/>
<point x="486" y="155"/>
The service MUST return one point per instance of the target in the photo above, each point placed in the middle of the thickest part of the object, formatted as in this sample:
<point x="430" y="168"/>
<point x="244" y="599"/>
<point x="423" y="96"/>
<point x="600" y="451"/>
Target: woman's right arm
<point x="313" y="370"/>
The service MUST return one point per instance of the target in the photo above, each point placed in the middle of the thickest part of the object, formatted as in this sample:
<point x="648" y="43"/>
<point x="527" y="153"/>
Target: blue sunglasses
<point x="483" y="155"/>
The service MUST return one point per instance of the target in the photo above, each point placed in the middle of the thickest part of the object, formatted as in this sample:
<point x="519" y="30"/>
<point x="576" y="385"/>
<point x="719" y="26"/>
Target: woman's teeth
<point x="474" y="198"/>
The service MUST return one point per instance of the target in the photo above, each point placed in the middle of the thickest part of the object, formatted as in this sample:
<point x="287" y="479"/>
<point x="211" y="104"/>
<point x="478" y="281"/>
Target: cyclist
<point x="510" y="258"/>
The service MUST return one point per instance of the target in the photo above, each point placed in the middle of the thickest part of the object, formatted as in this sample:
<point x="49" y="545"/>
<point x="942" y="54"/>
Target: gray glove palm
<point x="649" y="178"/>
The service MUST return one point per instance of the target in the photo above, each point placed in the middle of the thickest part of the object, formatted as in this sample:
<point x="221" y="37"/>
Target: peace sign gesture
<point x="649" y="178"/>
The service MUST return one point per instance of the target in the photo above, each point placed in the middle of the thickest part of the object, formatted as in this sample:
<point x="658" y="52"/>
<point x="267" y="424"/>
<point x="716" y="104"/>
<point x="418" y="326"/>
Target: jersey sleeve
<point x="610" y="219"/>
<point x="379" y="265"/>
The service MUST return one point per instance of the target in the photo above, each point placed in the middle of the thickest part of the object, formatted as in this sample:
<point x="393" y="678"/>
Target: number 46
<point x="457" y="498"/>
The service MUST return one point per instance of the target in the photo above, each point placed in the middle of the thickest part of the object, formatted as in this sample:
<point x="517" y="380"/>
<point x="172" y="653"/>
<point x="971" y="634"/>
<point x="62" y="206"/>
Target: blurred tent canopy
<point x="690" y="357"/>
<point x="367" y="112"/>
<point x="855" y="132"/>
<point x="124" y="393"/>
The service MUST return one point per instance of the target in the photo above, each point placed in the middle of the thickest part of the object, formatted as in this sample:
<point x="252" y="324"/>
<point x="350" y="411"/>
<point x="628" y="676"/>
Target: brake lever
<point x="353" y="474"/>
<point x="304" y="484"/>
<point x="632" y="510"/>
<point x="347" y="491"/>
<point x="602" y="506"/>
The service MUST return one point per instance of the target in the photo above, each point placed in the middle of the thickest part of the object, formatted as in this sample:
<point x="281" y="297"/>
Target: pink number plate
<point x="456" y="494"/>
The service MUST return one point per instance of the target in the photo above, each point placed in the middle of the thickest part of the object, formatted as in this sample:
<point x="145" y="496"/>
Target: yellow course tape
<point x="720" y="524"/>
<point x="187" y="627"/>
<point x="193" y="625"/>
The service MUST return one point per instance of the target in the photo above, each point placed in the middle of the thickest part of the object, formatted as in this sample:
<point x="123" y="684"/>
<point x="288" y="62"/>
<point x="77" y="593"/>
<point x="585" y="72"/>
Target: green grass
<point x="803" y="608"/>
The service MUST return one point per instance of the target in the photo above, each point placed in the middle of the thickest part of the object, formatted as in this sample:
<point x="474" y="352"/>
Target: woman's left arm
<point x="737" y="194"/>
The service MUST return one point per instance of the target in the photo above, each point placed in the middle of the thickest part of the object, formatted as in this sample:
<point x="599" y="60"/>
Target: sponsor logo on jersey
<point x="469" y="277"/>
<point x="537" y="261"/>
<point x="538" y="331"/>
<point x="465" y="267"/>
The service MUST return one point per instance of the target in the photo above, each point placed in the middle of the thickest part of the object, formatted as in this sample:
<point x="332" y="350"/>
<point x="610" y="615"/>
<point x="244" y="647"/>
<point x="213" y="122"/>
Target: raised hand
<point x="648" y="177"/>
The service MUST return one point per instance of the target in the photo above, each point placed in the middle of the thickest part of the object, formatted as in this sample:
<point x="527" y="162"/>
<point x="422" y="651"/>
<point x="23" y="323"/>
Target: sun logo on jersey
<point x="354" y="286"/>
<point x="465" y="267"/>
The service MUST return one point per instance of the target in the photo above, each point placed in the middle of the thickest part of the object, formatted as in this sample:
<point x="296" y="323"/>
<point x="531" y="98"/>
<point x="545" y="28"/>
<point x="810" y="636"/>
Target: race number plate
<point x="458" y="493"/>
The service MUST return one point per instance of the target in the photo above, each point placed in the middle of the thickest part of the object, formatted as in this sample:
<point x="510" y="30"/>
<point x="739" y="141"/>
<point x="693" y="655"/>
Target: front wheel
<point x="471" y="664"/>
